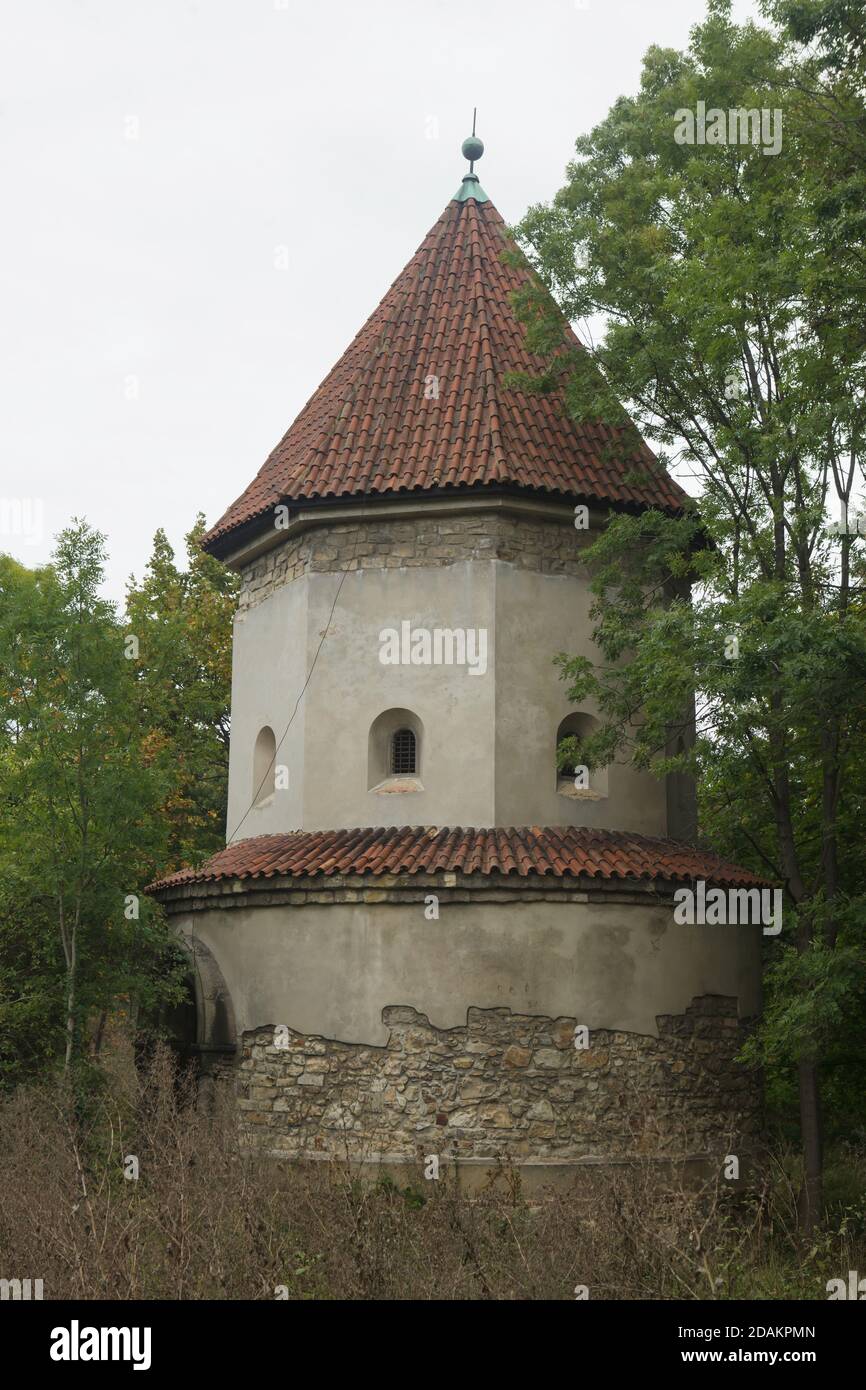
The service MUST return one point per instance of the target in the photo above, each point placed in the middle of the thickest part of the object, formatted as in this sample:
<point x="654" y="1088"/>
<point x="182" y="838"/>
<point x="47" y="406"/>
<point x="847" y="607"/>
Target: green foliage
<point x="79" y="824"/>
<point x="732" y="295"/>
<point x="183" y="622"/>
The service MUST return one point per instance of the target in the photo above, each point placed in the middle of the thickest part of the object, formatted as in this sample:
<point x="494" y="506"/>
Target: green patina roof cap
<point x="470" y="188"/>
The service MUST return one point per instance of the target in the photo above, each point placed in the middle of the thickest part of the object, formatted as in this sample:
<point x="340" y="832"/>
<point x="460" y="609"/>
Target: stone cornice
<point x="395" y="889"/>
<point x="422" y="508"/>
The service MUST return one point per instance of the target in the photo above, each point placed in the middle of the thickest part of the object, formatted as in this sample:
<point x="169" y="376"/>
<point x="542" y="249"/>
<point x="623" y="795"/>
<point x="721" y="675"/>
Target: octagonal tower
<point x="411" y="562"/>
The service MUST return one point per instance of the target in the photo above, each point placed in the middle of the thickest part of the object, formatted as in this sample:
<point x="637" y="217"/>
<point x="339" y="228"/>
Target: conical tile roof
<point x="419" y="402"/>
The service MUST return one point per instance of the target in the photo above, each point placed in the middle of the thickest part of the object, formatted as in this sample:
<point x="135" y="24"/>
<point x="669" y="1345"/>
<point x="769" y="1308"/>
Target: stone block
<point x="515" y="1056"/>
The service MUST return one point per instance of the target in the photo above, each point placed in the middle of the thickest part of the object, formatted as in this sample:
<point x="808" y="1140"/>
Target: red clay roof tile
<point x="373" y="427"/>
<point x="561" y="851"/>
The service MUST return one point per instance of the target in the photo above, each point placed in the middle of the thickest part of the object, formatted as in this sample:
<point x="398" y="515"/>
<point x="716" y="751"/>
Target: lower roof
<point x="558" y="851"/>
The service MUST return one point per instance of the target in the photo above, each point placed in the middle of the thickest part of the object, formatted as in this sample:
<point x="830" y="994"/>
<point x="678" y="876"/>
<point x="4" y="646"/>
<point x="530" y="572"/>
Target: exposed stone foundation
<point x="548" y="547"/>
<point x="504" y="1086"/>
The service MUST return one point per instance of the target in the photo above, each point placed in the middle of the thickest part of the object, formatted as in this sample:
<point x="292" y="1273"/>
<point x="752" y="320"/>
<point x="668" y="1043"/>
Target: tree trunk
<point x="100" y="1029"/>
<point x="812" y="1190"/>
<point x="70" y="1023"/>
<point x="70" y="1000"/>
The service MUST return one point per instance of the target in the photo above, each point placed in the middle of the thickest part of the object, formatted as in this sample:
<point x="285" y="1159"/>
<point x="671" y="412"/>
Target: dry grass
<point x="201" y="1222"/>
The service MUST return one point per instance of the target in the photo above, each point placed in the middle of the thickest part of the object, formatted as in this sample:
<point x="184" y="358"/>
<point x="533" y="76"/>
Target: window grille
<point x="403" y="753"/>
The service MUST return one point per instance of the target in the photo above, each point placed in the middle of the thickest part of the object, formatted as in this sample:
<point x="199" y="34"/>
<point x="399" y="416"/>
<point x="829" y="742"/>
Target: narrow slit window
<point x="403" y="753"/>
<point x="264" y="756"/>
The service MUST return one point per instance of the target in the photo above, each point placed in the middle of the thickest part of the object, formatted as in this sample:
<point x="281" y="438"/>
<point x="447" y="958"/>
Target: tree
<point x="80" y="822"/>
<point x="182" y="625"/>
<point x="732" y="313"/>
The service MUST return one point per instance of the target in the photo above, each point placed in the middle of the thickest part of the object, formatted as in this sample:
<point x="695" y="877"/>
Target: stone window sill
<point x="397" y="786"/>
<point x="565" y="787"/>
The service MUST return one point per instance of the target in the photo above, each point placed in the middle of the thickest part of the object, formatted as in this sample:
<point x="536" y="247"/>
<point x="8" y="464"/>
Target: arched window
<point x="264" y="757"/>
<point x="403" y="751"/>
<point x="573" y="778"/>
<point x="395" y="752"/>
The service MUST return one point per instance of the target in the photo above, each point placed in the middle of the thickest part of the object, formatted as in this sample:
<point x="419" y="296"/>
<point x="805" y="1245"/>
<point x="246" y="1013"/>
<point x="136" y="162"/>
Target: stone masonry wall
<point x="506" y="1086"/>
<point x="548" y="547"/>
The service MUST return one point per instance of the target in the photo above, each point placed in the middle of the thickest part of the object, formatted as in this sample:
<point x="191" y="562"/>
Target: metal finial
<point x="472" y="148"/>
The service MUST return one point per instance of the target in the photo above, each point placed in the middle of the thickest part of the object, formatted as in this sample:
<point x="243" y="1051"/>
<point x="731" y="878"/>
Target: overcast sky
<point x="156" y="156"/>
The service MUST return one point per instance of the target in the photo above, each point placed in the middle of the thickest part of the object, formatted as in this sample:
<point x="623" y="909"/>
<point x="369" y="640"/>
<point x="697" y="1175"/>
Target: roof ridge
<point x="489" y="388"/>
